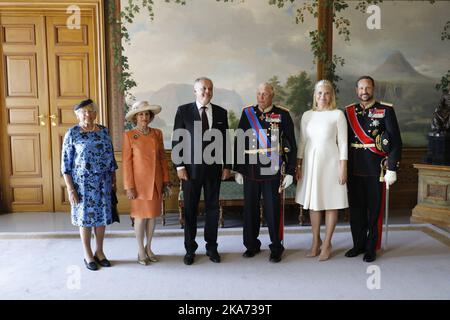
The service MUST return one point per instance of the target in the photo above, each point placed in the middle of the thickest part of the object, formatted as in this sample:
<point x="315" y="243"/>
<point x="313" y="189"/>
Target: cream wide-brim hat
<point x="140" y="106"/>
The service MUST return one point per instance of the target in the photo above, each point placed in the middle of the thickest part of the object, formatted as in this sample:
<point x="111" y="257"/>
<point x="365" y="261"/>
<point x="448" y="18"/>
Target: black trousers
<point x="252" y="195"/>
<point x="210" y="182"/>
<point x="366" y="200"/>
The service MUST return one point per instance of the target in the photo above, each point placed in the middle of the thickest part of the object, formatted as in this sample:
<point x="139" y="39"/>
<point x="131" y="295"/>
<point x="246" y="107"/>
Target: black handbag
<point x="115" y="212"/>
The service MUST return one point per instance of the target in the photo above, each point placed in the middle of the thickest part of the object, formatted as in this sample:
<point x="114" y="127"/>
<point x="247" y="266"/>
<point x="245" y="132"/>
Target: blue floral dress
<point x="88" y="157"/>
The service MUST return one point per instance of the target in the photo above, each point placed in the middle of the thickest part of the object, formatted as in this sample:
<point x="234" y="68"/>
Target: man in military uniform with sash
<point x="374" y="154"/>
<point x="267" y="148"/>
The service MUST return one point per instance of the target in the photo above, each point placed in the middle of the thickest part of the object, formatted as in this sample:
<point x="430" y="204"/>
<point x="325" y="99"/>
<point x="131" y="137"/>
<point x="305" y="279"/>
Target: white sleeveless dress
<point x="323" y="143"/>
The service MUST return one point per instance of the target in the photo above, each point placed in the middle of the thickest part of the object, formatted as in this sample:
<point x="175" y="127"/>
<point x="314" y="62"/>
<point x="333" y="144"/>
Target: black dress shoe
<point x="91" y="265"/>
<point x="251" y="253"/>
<point x="104" y="263"/>
<point x="248" y="254"/>
<point x="213" y="255"/>
<point x="189" y="258"/>
<point x="369" y="257"/>
<point x="275" y="257"/>
<point x="353" y="252"/>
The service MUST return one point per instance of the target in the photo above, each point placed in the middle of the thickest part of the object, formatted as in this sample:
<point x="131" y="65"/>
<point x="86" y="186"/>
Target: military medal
<point x="261" y="117"/>
<point x="273" y="118"/>
<point x="376" y="113"/>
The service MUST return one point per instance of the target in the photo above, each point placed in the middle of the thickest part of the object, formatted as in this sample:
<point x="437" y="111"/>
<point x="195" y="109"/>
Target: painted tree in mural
<point x="295" y="94"/>
<point x="233" y="120"/>
<point x="445" y="80"/>
<point x="134" y="7"/>
<point x="300" y="88"/>
<point x="342" y="26"/>
<point x="280" y="92"/>
<point x="286" y="94"/>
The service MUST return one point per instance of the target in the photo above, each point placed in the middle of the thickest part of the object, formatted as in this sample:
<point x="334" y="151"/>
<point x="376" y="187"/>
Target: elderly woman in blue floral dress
<point x="88" y="167"/>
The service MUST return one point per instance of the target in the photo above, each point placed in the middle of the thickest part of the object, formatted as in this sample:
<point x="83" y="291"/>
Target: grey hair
<point x="202" y="79"/>
<point x="267" y="85"/>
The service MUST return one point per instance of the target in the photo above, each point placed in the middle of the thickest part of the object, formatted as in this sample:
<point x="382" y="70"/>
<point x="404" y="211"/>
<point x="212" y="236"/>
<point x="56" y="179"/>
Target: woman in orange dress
<point x="145" y="174"/>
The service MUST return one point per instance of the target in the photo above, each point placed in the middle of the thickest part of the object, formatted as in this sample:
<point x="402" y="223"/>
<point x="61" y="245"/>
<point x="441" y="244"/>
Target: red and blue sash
<point x="264" y="143"/>
<point x="359" y="132"/>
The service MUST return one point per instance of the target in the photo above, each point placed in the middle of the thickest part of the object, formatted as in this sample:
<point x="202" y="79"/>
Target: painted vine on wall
<point x="134" y="7"/>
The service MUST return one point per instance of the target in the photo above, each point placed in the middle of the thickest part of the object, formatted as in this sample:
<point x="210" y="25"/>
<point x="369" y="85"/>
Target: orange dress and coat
<point x="145" y="169"/>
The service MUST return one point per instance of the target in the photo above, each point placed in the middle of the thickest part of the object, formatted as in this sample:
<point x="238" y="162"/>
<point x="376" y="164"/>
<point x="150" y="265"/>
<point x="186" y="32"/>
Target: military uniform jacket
<point x="275" y="118"/>
<point x="378" y="120"/>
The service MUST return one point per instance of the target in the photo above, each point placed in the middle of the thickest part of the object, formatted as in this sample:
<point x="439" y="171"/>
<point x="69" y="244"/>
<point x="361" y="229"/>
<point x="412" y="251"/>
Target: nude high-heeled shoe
<point x="144" y="261"/>
<point x="314" y="252"/>
<point x="325" y="254"/>
<point x="150" y="255"/>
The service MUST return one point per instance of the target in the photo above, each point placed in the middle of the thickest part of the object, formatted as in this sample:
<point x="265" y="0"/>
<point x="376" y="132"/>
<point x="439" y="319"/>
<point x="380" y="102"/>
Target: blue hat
<point x="83" y="104"/>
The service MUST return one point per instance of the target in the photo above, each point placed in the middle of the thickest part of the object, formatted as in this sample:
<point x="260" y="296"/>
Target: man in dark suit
<point x="375" y="148"/>
<point x="201" y="165"/>
<point x="270" y="146"/>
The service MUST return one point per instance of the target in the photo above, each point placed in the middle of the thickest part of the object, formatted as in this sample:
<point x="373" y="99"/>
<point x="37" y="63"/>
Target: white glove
<point x="390" y="177"/>
<point x="238" y="178"/>
<point x="287" y="181"/>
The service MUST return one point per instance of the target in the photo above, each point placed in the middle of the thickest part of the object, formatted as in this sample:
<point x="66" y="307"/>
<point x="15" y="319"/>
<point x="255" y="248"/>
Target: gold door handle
<point x="53" y="117"/>
<point x="41" y="118"/>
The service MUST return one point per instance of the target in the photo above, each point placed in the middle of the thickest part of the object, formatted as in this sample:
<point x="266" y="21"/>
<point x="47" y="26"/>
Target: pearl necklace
<point x="88" y="130"/>
<point x="144" y="132"/>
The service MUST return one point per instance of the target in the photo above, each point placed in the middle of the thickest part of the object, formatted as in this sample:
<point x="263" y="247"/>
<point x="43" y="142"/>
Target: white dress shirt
<point x="209" y="115"/>
<point x="208" y="112"/>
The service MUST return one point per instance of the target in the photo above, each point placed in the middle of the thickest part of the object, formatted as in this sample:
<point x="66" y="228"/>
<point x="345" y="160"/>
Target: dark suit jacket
<point x="184" y="119"/>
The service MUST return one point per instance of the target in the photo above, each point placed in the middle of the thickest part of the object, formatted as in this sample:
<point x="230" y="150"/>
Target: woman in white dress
<point x="322" y="165"/>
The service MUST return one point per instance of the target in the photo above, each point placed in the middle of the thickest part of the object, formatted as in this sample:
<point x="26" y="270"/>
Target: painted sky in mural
<point x="241" y="44"/>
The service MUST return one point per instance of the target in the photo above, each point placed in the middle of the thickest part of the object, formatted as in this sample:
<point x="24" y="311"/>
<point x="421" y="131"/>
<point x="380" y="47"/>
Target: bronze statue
<point x="440" y="124"/>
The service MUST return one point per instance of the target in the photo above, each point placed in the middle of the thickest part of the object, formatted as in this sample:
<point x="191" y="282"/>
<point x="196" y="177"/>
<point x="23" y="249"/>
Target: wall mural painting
<point x="241" y="44"/>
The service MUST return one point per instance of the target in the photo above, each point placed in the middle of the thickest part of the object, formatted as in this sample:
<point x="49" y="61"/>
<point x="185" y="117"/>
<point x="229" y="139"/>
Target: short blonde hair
<point x="324" y="83"/>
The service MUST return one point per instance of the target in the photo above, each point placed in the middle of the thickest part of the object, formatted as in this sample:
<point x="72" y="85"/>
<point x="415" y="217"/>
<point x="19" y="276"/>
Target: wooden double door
<point x="47" y="67"/>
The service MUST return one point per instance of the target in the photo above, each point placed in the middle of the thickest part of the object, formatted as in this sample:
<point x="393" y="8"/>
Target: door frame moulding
<point x="93" y="8"/>
<point x="59" y="7"/>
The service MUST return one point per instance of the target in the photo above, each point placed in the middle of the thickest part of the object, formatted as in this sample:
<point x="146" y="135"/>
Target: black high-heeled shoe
<point x="91" y="265"/>
<point x="104" y="263"/>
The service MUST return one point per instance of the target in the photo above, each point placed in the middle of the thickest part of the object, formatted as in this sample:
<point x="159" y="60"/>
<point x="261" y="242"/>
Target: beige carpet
<point x="49" y="266"/>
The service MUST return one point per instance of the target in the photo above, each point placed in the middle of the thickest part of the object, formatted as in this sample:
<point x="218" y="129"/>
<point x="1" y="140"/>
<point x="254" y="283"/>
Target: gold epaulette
<point x="283" y="108"/>
<point x="350" y="105"/>
<point x="386" y="104"/>
<point x="247" y="106"/>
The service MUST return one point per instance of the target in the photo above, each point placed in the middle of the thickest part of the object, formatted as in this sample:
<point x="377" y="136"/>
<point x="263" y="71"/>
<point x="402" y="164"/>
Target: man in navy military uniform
<point x="374" y="154"/>
<point x="268" y="147"/>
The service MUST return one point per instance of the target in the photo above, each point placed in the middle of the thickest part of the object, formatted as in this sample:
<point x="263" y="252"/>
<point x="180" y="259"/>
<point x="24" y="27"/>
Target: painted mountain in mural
<point x="397" y="68"/>
<point x="173" y="95"/>
<point x="413" y="95"/>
